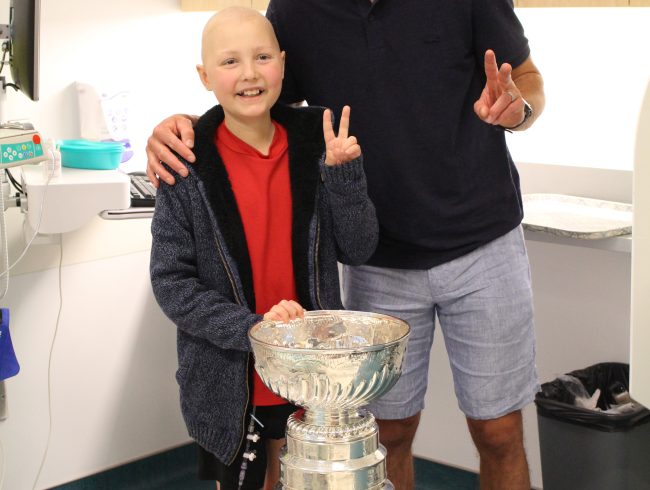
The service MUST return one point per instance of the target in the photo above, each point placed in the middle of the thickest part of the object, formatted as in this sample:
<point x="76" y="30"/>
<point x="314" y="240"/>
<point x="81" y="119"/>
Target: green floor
<point x="175" y="470"/>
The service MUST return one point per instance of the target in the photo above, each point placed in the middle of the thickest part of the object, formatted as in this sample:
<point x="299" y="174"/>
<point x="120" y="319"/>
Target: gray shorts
<point x="483" y="301"/>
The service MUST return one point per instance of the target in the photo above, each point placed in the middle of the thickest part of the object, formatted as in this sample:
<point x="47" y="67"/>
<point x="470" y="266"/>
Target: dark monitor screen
<point x="24" y="23"/>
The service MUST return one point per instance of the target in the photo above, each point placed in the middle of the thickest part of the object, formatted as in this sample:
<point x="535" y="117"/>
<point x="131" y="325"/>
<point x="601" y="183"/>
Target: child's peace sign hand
<point x="342" y="148"/>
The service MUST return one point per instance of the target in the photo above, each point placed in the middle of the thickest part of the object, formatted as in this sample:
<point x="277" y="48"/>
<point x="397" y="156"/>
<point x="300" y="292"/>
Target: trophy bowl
<point x="330" y="360"/>
<point x="331" y="363"/>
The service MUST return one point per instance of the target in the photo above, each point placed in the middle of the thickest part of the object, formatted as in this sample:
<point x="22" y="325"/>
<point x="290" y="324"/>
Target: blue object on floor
<point x="8" y="363"/>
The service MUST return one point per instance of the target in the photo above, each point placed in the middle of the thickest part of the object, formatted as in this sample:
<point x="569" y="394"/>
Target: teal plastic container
<point x="93" y="155"/>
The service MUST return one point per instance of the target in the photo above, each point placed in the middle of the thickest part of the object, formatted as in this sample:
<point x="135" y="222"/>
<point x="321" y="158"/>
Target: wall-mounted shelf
<point x="621" y="243"/>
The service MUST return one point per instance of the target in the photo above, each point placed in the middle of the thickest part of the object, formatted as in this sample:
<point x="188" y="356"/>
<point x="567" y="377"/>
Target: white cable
<point x="7" y="268"/>
<point x="5" y="245"/>
<point x="5" y="261"/>
<point x="49" y="372"/>
<point x="38" y="225"/>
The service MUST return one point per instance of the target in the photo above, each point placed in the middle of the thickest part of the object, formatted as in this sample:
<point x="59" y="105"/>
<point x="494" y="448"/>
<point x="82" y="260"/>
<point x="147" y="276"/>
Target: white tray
<point x="576" y="217"/>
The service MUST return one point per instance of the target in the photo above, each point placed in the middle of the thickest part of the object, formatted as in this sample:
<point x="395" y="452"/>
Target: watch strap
<point x="528" y="113"/>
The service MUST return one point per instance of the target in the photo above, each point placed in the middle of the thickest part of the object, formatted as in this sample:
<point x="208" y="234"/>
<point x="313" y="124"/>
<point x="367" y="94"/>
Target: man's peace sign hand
<point x="501" y="102"/>
<point x="342" y="148"/>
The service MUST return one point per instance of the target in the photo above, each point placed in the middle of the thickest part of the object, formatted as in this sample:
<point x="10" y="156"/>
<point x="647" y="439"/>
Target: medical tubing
<point x="5" y="245"/>
<point x="38" y="226"/>
<point x="244" y="460"/>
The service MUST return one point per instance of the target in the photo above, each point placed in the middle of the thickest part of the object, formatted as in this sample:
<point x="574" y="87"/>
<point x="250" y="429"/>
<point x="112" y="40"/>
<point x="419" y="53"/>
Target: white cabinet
<point x="97" y="355"/>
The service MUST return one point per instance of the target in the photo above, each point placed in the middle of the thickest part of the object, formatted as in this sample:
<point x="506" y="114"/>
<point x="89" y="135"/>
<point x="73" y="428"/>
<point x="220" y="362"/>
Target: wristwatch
<point x="528" y="113"/>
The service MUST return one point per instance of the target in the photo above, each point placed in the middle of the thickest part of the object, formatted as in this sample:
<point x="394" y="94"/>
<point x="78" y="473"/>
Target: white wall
<point x="595" y="67"/>
<point x="96" y="388"/>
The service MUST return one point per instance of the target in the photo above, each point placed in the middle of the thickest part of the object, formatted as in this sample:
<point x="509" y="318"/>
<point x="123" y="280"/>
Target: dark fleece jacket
<point x="201" y="272"/>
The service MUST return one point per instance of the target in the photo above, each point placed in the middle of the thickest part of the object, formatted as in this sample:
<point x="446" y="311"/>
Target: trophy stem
<point x="331" y="418"/>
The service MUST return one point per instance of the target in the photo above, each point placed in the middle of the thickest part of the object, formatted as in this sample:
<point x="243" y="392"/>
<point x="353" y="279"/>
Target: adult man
<point x="431" y="105"/>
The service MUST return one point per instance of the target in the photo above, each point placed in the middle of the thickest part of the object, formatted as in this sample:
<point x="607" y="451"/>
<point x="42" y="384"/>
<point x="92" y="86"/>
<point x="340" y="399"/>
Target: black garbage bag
<point x="557" y="399"/>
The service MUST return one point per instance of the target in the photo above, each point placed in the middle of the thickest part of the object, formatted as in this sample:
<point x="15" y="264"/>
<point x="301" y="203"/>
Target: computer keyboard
<point x="143" y="193"/>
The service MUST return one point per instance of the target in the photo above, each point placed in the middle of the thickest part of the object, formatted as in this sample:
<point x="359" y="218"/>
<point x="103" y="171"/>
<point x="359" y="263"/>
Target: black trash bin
<point x="583" y="449"/>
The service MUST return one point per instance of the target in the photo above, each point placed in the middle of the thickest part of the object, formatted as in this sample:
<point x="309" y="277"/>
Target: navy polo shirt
<point x="442" y="181"/>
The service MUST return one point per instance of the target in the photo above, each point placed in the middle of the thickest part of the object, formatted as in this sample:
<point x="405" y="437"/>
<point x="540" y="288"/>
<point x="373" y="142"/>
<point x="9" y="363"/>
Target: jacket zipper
<point x="239" y="302"/>
<point x="231" y="278"/>
<point x="316" y="275"/>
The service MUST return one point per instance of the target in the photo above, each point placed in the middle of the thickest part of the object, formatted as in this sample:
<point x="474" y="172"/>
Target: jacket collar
<point x="306" y="146"/>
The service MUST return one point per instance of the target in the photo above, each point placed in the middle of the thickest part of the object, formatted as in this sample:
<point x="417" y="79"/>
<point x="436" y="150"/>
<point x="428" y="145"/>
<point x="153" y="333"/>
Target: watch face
<point x="528" y="110"/>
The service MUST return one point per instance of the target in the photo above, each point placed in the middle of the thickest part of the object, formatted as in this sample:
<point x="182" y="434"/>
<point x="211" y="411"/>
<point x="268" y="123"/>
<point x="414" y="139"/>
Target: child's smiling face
<point x="242" y="63"/>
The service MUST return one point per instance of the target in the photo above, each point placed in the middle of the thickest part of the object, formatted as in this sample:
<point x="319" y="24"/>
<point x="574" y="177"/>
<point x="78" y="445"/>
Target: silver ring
<point x="512" y="96"/>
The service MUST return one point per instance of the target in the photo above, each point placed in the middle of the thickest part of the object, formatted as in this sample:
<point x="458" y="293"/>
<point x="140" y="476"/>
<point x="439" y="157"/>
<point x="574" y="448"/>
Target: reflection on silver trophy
<point x="331" y="363"/>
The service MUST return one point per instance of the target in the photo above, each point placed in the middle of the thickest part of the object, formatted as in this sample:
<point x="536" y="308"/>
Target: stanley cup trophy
<point x="331" y="363"/>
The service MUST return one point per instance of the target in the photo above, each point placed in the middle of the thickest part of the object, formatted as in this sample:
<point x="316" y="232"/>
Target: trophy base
<point x="387" y="485"/>
<point x="333" y="457"/>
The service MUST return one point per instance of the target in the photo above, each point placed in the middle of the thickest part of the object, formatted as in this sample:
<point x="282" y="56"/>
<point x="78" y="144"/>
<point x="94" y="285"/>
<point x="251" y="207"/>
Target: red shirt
<point x="263" y="193"/>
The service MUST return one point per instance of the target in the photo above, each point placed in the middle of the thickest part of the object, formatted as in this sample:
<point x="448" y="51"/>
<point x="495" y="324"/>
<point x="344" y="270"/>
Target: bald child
<point x="252" y="231"/>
